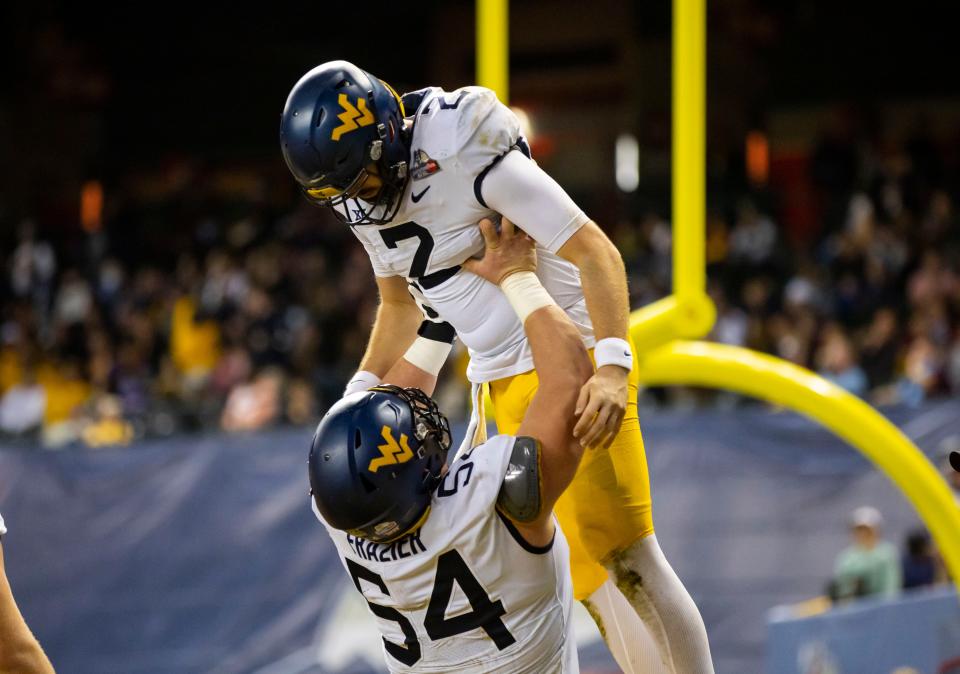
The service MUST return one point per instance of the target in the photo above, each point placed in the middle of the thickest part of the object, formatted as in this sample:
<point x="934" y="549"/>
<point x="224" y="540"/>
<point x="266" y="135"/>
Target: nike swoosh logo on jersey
<point x="417" y="197"/>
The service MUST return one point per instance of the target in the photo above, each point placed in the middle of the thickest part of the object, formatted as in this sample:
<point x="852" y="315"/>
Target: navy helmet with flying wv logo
<point x="343" y="138"/>
<point x="375" y="460"/>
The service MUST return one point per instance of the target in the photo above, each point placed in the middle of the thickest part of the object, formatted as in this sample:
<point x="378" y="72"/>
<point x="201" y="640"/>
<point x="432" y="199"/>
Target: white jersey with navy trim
<point x="458" y="137"/>
<point x="464" y="592"/>
<point x="3" y="528"/>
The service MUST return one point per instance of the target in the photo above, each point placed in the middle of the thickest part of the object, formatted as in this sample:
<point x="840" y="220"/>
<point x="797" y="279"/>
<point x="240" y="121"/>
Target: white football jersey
<point x="464" y="592"/>
<point x="3" y="528"/>
<point x="457" y="137"/>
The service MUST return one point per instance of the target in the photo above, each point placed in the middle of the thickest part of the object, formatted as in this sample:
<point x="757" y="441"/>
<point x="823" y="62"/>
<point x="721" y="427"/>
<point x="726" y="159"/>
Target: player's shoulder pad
<point x="520" y="494"/>
<point x="469" y="125"/>
<point x="486" y="128"/>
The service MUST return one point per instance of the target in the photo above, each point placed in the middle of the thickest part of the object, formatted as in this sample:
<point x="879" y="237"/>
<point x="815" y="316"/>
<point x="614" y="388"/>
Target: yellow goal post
<point x="661" y="331"/>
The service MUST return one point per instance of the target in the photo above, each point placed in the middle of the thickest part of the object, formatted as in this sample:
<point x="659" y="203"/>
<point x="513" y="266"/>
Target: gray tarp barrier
<point x="200" y="554"/>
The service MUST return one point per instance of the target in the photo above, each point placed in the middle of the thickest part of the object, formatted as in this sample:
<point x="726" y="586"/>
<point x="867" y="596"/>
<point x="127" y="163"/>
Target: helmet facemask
<point x="387" y="165"/>
<point x="431" y="428"/>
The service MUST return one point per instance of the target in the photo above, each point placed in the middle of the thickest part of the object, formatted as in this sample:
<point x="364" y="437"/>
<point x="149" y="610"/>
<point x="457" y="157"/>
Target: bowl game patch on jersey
<point x="423" y="165"/>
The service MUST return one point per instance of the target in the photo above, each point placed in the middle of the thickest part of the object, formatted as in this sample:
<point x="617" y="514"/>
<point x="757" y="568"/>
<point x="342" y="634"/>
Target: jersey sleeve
<point x="491" y="460"/>
<point x="519" y="189"/>
<point x="506" y="179"/>
<point x="3" y="528"/>
<point x="486" y="129"/>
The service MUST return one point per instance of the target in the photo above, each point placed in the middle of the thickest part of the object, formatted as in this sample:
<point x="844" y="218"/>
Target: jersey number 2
<point x="451" y="568"/>
<point x="409" y="230"/>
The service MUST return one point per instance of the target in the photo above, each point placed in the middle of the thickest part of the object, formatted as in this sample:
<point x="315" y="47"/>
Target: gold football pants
<point x="607" y="506"/>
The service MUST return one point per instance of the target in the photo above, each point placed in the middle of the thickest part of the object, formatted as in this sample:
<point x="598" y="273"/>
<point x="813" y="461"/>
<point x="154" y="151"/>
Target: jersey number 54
<point x="451" y="568"/>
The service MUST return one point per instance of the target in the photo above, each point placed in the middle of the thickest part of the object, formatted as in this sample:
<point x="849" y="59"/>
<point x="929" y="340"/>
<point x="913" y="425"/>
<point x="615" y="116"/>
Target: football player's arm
<point x="19" y="650"/>
<point x="407" y="375"/>
<point x="519" y="189"/>
<point x="603" y="400"/>
<point x="561" y="362"/>
<point x="394" y="328"/>
<point x="404" y="348"/>
<point x="423" y="359"/>
<point x="563" y="367"/>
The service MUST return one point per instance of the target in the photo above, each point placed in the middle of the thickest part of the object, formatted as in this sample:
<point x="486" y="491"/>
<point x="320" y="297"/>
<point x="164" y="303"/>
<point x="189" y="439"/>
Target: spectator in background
<point x="33" y="265"/>
<point x="256" y="405"/>
<point x="194" y="343"/>
<point x="919" y="561"/>
<point x="22" y="406"/>
<point x="74" y="300"/>
<point x="301" y="405"/>
<point x="107" y="427"/>
<point x="130" y="379"/>
<point x="921" y="371"/>
<point x="837" y="362"/>
<point x="67" y="391"/>
<point x="804" y="290"/>
<point x="871" y="565"/>
<point x="933" y="280"/>
<point x="731" y="325"/>
<point x="754" y="238"/>
<point x="879" y="348"/>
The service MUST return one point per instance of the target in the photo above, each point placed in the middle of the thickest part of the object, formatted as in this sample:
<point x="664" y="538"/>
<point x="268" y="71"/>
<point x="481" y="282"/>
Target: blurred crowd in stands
<point x="872" y="302"/>
<point x="255" y="314"/>
<point x="254" y="321"/>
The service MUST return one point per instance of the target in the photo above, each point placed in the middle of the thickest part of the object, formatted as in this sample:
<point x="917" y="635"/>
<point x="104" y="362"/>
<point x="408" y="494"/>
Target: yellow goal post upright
<point x="661" y="330"/>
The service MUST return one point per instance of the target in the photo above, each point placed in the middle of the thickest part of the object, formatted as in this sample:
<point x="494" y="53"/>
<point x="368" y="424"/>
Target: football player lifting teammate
<point x="413" y="176"/>
<point x="409" y="528"/>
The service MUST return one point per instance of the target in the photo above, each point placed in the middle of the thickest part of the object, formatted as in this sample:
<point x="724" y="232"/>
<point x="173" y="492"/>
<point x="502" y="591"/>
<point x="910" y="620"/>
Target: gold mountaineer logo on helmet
<point x="351" y="117"/>
<point x="392" y="453"/>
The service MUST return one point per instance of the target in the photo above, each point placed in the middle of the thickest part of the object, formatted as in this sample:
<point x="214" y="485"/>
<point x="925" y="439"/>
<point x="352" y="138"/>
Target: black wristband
<point x="437" y="332"/>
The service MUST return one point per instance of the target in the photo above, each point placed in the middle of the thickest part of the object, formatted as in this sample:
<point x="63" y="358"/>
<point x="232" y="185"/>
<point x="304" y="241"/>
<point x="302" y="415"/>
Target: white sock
<point x="628" y="640"/>
<point x="648" y="582"/>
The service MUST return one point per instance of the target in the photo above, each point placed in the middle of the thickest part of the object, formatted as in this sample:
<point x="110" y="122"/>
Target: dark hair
<point x="918" y="543"/>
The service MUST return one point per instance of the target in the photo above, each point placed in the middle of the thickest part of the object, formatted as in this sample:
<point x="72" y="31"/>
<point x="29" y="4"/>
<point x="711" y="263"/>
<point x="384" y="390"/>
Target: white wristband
<point x="428" y="354"/>
<point x="361" y="381"/>
<point x="525" y="293"/>
<point x="613" y="351"/>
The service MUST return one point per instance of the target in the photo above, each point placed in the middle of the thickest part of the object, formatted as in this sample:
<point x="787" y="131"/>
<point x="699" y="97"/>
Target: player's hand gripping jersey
<point x="464" y="592"/>
<point x="457" y="138"/>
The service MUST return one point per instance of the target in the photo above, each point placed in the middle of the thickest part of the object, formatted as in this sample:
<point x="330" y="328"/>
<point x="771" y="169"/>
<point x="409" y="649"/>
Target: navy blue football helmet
<point x="375" y="460"/>
<point x="343" y="138"/>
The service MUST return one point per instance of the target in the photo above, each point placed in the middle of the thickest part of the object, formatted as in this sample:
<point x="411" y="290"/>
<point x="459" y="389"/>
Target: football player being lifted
<point x="409" y="530"/>
<point x="413" y="177"/>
